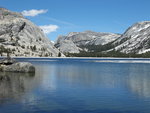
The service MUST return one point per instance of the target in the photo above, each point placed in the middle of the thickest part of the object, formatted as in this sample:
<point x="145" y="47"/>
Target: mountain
<point x="75" y="42"/>
<point x="23" y="38"/>
<point x="135" y="42"/>
<point x="136" y="39"/>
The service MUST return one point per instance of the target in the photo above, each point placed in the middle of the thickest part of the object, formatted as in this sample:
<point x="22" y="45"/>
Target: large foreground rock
<point x="18" y="67"/>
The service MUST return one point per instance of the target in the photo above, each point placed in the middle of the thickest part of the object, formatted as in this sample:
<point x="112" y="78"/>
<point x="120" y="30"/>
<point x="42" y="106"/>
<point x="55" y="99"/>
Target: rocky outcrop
<point x="22" y="37"/>
<point x="9" y="64"/>
<point x="136" y="39"/>
<point x="68" y="46"/>
<point x="18" y="67"/>
<point x="73" y="41"/>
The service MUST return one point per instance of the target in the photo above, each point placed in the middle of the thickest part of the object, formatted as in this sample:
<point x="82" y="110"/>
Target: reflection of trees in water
<point x="13" y="85"/>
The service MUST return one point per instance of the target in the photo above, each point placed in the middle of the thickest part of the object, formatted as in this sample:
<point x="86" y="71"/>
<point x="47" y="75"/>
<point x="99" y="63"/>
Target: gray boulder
<point x="18" y="67"/>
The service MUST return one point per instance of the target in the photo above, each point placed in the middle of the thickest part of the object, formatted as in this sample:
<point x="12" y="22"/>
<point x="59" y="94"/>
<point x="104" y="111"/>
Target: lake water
<point x="78" y="86"/>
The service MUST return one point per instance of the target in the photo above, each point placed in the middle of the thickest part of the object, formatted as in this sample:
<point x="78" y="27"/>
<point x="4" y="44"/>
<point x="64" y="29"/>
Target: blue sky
<point x="80" y="15"/>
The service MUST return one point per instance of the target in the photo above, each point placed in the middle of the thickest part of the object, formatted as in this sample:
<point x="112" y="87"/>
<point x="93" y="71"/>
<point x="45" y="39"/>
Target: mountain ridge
<point x="135" y="40"/>
<point x="23" y="38"/>
<point x="77" y="39"/>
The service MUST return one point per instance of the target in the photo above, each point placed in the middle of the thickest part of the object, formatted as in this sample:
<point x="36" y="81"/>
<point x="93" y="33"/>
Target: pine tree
<point x="59" y="54"/>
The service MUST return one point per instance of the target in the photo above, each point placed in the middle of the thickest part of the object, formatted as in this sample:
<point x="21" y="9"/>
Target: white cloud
<point x="52" y="41"/>
<point x="49" y="28"/>
<point x="33" y="12"/>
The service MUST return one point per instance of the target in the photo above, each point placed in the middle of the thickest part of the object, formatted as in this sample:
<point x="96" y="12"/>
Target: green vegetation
<point x="108" y="54"/>
<point x="98" y="48"/>
<point x="59" y="54"/>
<point x="43" y="49"/>
<point x="23" y="46"/>
<point x="33" y="48"/>
<point x="46" y="55"/>
<point x="4" y="50"/>
<point x="100" y="51"/>
<point x="6" y="13"/>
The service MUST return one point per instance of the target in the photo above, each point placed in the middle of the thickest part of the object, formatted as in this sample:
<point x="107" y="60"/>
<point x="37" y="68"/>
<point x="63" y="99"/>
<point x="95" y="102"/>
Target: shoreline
<point x="76" y="57"/>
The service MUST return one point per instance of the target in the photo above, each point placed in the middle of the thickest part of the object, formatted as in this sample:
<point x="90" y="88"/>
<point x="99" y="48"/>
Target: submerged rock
<point x="18" y="67"/>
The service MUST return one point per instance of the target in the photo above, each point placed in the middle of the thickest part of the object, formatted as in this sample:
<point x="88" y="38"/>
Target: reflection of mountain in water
<point x="139" y="80"/>
<point x="135" y="77"/>
<point x="87" y="76"/>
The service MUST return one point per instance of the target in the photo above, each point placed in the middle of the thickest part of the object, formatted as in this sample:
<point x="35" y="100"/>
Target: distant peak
<point x="2" y="8"/>
<point x="72" y="33"/>
<point x="142" y="22"/>
<point x="5" y="12"/>
<point x="88" y="31"/>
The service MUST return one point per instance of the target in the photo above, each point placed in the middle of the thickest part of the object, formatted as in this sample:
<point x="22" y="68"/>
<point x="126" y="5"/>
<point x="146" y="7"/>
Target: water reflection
<point x="134" y="77"/>
<point x="139" y="80"/>
<point x="14" y="85"/>
<point x="70" y="86"/>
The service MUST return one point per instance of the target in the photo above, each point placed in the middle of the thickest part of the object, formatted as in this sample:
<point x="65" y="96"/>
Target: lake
<point x="68" y="85"/>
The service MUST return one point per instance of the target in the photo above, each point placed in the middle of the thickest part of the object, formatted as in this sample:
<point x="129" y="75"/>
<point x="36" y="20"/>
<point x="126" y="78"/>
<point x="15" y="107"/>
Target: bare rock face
<point x="18" y="67"/>
<point x="136" y="39"/>
<point x="74" y="40"/>
<point x="68" y="46"/>
<point x="23" y="37"/>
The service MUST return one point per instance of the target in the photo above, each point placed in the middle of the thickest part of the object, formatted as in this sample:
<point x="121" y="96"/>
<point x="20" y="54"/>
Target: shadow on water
<point x="13" y="85"/>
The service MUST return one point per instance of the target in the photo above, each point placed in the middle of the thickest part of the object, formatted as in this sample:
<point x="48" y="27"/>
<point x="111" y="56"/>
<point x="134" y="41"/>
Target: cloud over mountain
<point x="33" y="12"/>
<point x="49" y="28"/>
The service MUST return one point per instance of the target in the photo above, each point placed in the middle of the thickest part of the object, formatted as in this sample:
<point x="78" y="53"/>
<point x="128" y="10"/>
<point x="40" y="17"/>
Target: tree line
<point x="108" y="54"/>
